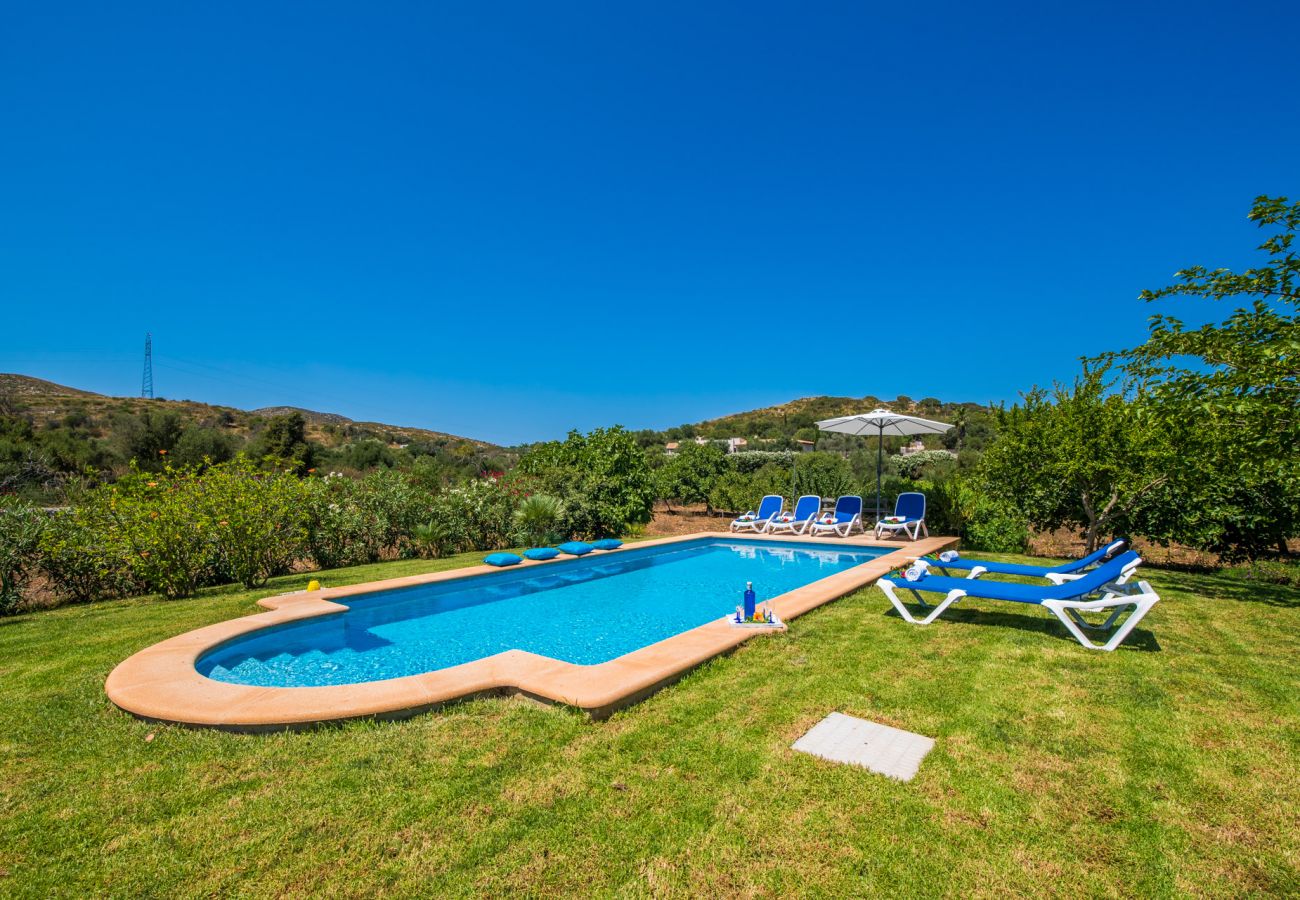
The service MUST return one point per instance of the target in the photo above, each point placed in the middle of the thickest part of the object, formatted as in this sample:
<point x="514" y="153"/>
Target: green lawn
<point x="1167" y="767"/>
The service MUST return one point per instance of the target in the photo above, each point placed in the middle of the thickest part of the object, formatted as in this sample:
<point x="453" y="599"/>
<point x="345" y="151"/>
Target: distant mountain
<point x="45" y="402"/>
<point x="310" y="415"/>
<point x="27" y="386"/>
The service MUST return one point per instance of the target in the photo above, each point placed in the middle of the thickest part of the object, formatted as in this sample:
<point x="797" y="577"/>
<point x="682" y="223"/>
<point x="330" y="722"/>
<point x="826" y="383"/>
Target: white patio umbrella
<point x="882" y="422"/>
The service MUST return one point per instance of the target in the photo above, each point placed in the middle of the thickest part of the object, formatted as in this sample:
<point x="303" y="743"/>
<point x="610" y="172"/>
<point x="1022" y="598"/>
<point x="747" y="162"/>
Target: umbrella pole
<point x="880" y="450"/>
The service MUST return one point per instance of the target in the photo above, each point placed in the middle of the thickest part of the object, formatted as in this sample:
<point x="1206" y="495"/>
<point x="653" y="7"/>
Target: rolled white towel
<point x="916" y="571"/>
<point x="949" y="556"/>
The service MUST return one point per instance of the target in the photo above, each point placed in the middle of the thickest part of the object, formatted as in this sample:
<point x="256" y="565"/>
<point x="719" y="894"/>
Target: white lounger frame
<point x="759" y="525"/>
<point x="798" y="526"/>
<point x="843" y="529"/>
<point x="1116" y="596"/>
<point x="914" y="530"/>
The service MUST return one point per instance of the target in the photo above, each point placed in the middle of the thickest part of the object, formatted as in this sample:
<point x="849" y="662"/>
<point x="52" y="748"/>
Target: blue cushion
<point x="576" y="548"/>
<point x="502" y="559"/>
<point x="608" y="544"/>
<point x="542" y="553"/>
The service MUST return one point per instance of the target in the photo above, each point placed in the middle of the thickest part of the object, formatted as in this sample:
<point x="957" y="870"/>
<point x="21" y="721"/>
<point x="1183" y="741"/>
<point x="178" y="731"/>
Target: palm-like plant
<point x="537" y="520"/>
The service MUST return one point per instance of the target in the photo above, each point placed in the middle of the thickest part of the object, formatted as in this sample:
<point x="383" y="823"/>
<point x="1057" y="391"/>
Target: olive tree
<point x="1238" y="382"/>
<point x="1082" y="456"/>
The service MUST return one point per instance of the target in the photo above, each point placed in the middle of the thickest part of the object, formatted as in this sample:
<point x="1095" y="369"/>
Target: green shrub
<point x="773" y="478"/>
<point x="983" y="521"/>
<point x="168" y="536"/>
<point x="260" y="520"/>
<point x="21" y="527"/>
<point x="824" y="474"/>
<point x="603" y="478"/>
<point x="478" y="515"/>
<point x="433" y="539"/>
<point x="198" y="447"/>
<point x="83" y="557"/>
<point x="996" y="532"/>
<point x="391" y="507"/>
<point x="354" y="521"/>
<point x="336" y="529"/>
<point x="746" y="462"/>
<point x="733" y="493"/>
<point x="689" y="475"/>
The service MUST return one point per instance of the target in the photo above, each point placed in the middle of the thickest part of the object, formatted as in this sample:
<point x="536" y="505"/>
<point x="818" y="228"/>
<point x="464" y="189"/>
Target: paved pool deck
<point x="161" y="683"/>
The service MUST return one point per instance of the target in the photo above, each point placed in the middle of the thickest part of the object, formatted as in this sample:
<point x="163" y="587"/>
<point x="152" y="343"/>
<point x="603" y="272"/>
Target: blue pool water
<point x="583" y="611"/>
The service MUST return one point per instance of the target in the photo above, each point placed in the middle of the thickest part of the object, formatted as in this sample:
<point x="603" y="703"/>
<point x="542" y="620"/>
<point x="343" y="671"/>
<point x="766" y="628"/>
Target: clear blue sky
<point x="506" y="220"/>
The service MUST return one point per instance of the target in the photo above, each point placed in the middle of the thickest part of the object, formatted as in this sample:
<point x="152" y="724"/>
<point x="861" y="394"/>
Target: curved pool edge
<point x="161" y="683"/>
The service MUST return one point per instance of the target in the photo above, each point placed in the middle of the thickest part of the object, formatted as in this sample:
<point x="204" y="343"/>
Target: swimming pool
<point x="584" y="612"/>
<point x="394" y="648"/>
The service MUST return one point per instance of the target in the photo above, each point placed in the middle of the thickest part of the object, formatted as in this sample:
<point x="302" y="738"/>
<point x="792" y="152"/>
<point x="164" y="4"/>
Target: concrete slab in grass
<point x="880" y="748"/>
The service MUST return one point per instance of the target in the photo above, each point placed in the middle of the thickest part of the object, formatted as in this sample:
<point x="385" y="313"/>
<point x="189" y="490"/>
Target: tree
<point x="283" y="443"/>
<point x="826" y="475"/>
<point x="1239" y="381"/>
<point x="688" y="476"/>
<point x="366" y="455"/>
<point x="602" y="477"/>
<point x="199" y="446"/>
<point x="1082" y="456"/>
<point x="149" y="437"/>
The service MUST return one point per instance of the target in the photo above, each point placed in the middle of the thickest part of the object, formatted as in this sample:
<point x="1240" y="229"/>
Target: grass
<point x="1168" y="767"/>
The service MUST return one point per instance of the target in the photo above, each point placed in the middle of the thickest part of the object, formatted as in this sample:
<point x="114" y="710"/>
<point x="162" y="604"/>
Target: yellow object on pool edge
<point x="313" y="585"/>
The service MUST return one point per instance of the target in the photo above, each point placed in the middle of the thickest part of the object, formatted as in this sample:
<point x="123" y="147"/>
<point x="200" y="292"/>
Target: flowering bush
<point x="391" y="506"/>
<point x="337" y="533"/>
<point x="350" y="522"/>
<point x="165" y="532"/>
<point x="915" y="465"/>
<point x="478" y="515"/>
<point x="258" y="520"/>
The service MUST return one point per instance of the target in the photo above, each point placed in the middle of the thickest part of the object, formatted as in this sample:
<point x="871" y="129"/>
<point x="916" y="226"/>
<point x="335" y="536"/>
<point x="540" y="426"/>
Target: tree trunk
<point x="1090" y="536"/>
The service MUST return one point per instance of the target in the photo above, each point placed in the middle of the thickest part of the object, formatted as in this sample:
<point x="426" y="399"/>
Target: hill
<point x="310" y="415"/>
<point x="46" y="405"/>
<point x="53" y="436"/>
<point x="27" y="386"/>
<point x="796" y="420"/>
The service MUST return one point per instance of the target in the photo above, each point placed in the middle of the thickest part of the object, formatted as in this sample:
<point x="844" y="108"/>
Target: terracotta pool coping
<point x="161" y="683"/>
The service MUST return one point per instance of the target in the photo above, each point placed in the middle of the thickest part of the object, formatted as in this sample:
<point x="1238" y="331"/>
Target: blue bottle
<point x="749" y="600"/>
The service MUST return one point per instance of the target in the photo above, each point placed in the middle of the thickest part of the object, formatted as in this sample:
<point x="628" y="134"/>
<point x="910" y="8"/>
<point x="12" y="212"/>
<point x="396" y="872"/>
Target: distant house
<point x="915" y="446"/>
<point x="734" y="445"/>
<point x="806" y="446"/>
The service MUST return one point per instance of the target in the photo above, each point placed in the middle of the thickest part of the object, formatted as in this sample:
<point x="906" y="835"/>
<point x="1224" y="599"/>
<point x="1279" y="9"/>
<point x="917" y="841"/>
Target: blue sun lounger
<point x="847" y="516"/>
<point x="1097" y="591"/>
<point x="1056" y="574"/>
<point x="805" y="510"/>
<point x="908" y="517"/>
<point x="768" y="509"/>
